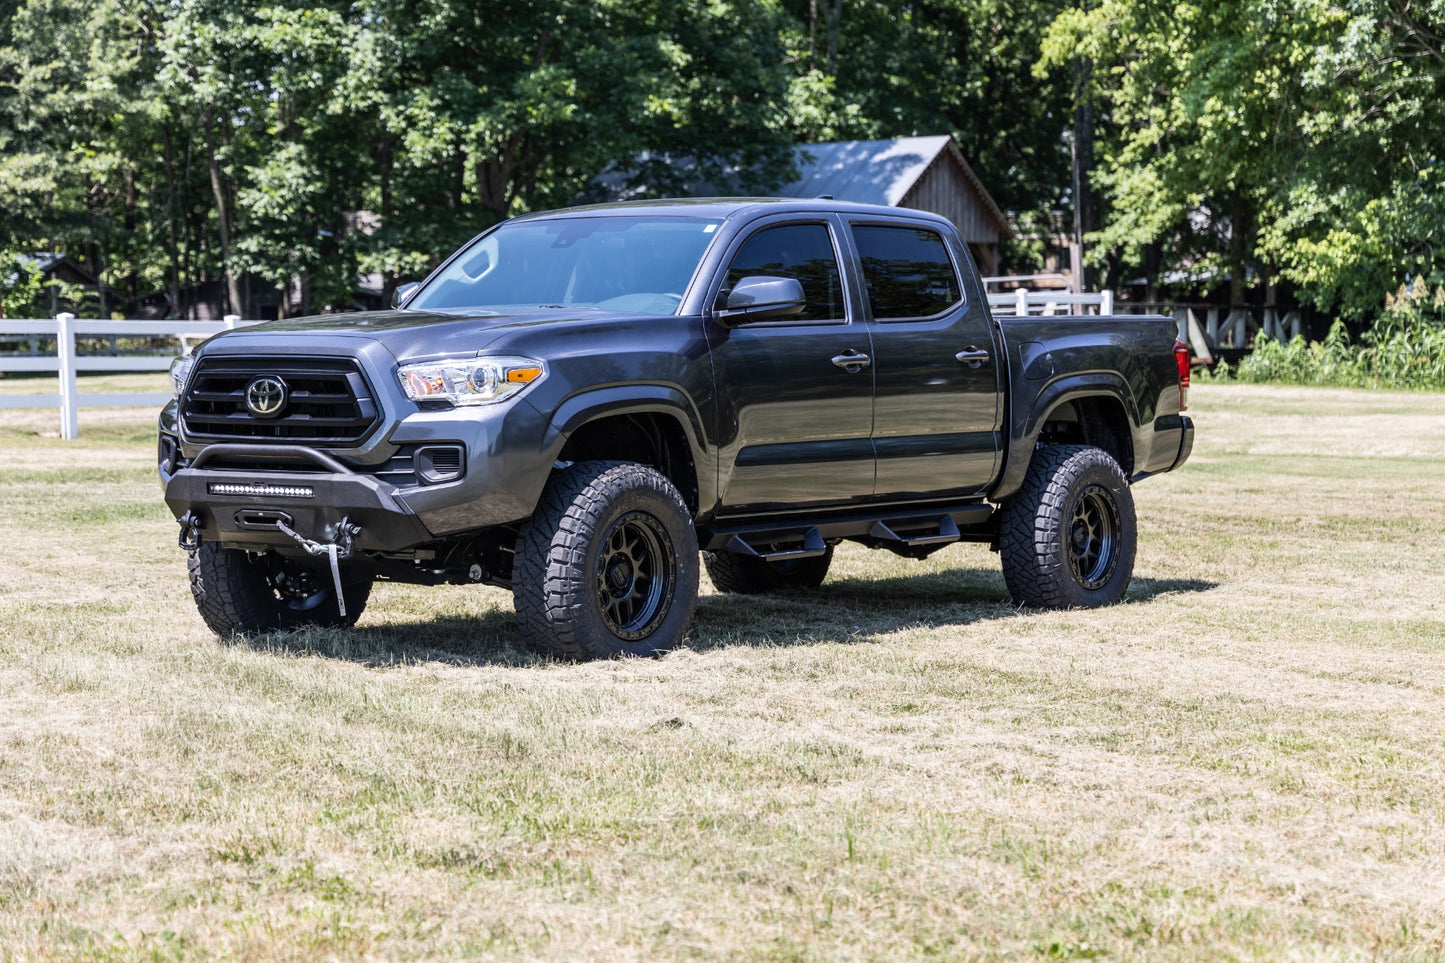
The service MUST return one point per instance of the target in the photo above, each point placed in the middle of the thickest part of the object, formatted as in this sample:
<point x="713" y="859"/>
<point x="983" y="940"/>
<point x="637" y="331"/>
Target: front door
<point x="794" y="413"/>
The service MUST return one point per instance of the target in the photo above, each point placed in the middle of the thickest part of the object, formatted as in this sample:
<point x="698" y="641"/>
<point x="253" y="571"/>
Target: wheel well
<point x="647" y="438"/>
<point x="1097" y="421"/>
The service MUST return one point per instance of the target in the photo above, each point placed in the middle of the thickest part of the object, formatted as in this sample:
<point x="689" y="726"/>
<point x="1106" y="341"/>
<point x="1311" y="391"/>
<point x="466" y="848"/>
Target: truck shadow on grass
<point x="851" y="610"/>
<point x="845" y="610"/>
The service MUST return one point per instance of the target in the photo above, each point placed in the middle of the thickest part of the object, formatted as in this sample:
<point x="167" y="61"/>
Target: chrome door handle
<point x="971" y="356"/>
<point x="851" y="361"/>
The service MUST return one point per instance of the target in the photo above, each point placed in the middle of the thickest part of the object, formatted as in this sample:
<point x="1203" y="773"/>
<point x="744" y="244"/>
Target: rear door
<point x="938" y="411"/>
<point x="795" y="397"/>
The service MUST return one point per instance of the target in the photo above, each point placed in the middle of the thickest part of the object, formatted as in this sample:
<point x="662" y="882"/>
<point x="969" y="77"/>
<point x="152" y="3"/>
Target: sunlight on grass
<point x="1241" y="761"/>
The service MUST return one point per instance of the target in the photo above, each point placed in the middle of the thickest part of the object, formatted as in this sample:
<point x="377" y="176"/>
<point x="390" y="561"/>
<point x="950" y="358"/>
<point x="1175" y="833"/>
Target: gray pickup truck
<point x="577" y="403"/>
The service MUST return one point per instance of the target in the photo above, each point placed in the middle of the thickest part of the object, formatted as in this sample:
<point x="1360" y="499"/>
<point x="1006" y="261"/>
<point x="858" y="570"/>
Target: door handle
<point x="971" y="356"/>
<point x="852" y="361"/>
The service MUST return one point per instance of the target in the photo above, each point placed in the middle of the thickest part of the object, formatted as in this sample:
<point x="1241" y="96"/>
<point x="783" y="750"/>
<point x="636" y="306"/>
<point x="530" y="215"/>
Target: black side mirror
<point x="403" y="291"/>
<point x="763" y="298"/>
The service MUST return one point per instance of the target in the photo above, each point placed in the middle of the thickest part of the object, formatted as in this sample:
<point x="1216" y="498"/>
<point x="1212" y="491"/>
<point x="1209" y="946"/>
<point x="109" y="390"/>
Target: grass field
<point x="1246" y="760"/>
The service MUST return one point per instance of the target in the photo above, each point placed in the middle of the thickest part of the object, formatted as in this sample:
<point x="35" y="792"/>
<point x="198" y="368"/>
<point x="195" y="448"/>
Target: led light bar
<point x="261" y="490"/>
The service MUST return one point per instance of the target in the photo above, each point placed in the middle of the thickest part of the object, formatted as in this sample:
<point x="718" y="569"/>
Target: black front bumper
<point x="240" y="509"/>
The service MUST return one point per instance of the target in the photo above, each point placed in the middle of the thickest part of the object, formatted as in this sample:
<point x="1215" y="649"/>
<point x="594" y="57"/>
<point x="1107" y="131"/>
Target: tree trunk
<point x="1238" y="244"/>
<point x="835" y="23"/>
<point x="812" y="34"/>
<point x="173" y="234"/>
<point x="223" y="215"/>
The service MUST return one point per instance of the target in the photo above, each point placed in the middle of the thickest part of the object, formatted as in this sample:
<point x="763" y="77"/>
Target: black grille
<point x="328" y="401"/>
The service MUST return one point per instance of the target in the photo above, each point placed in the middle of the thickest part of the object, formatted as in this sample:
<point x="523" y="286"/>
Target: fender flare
<point x="1024" y="427"/>
<point x="585" y="407"/>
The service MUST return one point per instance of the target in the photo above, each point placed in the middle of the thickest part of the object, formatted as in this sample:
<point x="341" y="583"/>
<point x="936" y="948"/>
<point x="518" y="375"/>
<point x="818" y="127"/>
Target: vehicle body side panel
<point x="1056" y="360"/>
<point x="793" y="428"/>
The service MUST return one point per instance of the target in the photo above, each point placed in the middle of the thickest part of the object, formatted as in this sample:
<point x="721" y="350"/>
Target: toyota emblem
<point x="266" y="396"/>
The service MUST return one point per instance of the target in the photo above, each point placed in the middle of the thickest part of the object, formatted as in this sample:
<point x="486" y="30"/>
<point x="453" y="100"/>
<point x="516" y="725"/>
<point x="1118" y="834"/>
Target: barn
<point x="923" y="173"/>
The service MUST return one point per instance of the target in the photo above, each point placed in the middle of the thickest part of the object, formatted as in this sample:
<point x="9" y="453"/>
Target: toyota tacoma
<point x="587" y="406"/>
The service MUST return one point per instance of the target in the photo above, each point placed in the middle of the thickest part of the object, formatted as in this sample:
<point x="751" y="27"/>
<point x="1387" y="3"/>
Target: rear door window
<point x="907" y="271"/>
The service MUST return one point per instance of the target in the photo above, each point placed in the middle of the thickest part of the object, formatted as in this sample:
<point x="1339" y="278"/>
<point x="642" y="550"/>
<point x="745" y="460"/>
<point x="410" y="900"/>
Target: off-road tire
<point x="747" y="575"/>
<point x="240" y="593"/>
<point x="607" y="565"/>
<point x="1069" y="535"/>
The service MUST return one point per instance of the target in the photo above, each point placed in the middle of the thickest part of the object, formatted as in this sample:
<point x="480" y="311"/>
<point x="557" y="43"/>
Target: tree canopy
<point x="296" y="145"/>
<point x="1276" y="139"/>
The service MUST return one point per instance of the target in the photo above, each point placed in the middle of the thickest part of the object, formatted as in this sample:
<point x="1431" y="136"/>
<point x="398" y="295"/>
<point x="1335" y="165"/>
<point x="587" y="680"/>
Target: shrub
<point x="1404" y="348"/>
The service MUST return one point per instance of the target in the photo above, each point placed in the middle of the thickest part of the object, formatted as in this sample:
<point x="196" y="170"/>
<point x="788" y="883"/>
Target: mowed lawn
<point x="1246" y="760"/>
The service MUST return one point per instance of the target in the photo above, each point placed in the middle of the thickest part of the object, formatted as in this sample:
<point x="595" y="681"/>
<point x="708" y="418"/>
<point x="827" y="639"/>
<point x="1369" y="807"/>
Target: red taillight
<point x="1181" y="361"/>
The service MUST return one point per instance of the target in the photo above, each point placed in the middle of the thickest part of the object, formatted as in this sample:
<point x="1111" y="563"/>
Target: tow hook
<point x="342" y="547"/>
<point x="190" y="538"/>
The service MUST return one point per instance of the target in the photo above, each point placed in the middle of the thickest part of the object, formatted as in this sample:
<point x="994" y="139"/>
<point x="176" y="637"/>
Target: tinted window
<point x="802" y="251"/>
<point x="908" y="271"/>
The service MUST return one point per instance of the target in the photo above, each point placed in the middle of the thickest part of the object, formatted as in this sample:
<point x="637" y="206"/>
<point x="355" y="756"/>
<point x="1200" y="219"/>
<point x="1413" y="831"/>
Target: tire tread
<point x="552" y="603"/>
<point x="1031" y="537"/>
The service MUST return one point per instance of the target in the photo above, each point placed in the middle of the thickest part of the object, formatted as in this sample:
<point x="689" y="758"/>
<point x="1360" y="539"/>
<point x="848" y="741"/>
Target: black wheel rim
<point x="295" y="588"/>
<point x="634" y="575"/>
<point x="1093" y="537"/>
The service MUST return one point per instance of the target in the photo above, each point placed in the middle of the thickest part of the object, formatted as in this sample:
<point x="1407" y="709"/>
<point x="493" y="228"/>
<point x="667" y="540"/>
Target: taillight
<point x="1181" y="361"/>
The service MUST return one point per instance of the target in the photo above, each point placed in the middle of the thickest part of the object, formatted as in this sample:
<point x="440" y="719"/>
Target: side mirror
<point x="763" y="298"/>
<point x="403" y="291"/>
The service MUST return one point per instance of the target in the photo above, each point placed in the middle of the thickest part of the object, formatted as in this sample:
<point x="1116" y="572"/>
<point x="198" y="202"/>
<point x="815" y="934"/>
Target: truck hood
<point x="410" y="335"/>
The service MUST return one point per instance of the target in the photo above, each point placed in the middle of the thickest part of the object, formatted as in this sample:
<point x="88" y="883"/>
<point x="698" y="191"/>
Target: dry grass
<point x="1244" y="761"/>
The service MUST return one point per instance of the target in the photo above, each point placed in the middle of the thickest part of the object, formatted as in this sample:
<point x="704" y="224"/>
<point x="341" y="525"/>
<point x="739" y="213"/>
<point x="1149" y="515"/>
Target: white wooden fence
<point x="66" y="361"/>
<point x="1024" y="301"/>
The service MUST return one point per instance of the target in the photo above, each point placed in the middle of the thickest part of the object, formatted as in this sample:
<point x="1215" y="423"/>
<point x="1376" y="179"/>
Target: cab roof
<point x="731" y="207"/>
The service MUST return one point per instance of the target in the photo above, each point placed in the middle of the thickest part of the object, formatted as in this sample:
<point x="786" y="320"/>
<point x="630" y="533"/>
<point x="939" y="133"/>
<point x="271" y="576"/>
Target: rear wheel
<point x="1069" y="535"/>
<point x="607" y="566"/>
<point x="242" y="593"/>
<point x="747" y="575"/>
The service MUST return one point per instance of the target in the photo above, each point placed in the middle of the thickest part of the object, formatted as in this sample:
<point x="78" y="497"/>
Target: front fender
<point x="632" y="399"/>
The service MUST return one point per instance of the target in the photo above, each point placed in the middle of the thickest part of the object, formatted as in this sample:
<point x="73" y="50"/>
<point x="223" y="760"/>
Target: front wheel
<point x="1069" y="535"/>
<point x="608" y="564"/>
<point x="240" y="593"/>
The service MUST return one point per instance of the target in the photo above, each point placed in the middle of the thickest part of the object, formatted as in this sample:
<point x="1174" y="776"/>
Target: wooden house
<point x="923" y="173"/>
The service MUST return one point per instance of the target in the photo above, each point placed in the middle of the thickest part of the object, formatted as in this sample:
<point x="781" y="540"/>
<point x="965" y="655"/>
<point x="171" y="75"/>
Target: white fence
<point x="66" y="361"/>
<point x="1024" y="301"/>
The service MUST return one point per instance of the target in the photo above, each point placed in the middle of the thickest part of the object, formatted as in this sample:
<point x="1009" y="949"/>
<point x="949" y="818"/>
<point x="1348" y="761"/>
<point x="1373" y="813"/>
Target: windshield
<point x="637" y="265"/>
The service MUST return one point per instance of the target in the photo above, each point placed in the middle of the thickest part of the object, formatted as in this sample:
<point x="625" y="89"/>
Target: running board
<point x="813" y="546"/>
<point x="947" y="532"/>
<point x="778" y="538"/>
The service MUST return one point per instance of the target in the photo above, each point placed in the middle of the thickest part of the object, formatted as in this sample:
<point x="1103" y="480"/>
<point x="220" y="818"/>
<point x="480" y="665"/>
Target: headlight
<point x="180" y="371"/>
<point x="470" y="381"/>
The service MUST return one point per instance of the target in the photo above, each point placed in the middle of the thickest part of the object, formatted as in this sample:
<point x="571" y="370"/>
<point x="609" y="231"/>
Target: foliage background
<point x="1287" y="145"/>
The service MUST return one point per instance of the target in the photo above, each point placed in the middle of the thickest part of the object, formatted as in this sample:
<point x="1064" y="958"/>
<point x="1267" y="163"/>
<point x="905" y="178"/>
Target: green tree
<point x="961" y="67"/>
<point x="1364" y="211"/>
<point x="1294" y="139"/>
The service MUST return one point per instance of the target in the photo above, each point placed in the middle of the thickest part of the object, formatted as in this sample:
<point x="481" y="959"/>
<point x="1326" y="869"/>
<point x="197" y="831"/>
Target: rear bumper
<point x="1186" y="441"/>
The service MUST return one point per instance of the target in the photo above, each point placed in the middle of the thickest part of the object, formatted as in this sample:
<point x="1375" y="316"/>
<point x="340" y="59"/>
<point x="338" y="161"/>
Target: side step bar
<point x="813" y="546"/>
<point x="775" y="540"/>
<point x="947" y="532"/>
